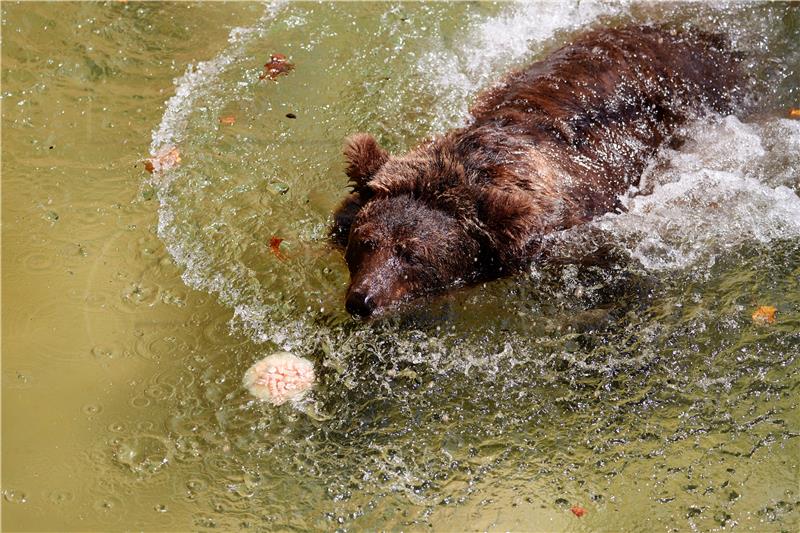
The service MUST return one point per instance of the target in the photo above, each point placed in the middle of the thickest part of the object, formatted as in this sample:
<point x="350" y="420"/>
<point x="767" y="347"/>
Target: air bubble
<point x="92" y="409"/>
<point x="60" y="497"/>
<point x="142" y="455"/>
<point x="15" y="496"/>
<point x="140" y="402"/>
<point x="103" y="352"/>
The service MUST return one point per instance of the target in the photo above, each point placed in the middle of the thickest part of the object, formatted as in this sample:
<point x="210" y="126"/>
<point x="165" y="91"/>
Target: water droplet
<point x="196" y="485"/>
<point x="105" y="505"/>
<point x="103" y="352"/>
<point x="142" y="455"/>
<point x="58" y="497"/>
<point x="138" y="294"/>
<point x="15" y="496"/>
<point x="140" y="401"/>
<point x="159" y="391"/>
<point x="92" y="409"/>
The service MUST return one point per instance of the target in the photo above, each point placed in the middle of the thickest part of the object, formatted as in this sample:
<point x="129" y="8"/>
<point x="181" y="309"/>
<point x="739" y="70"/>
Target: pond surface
<point x="643" y="393"/>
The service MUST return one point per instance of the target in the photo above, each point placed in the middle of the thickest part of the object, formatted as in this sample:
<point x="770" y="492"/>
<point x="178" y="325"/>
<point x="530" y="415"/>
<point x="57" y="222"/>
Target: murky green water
<point x="133" y="304"/>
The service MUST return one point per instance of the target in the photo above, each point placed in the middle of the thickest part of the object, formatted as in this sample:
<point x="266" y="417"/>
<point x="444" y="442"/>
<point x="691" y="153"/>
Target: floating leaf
<point x="765" y="314"/>
<point x="227" y="120"/>
<point x="275" y="247"/>
<point x="578" y="511"/>
<point x="165" y="159"/>
<point x="277" y="65"/>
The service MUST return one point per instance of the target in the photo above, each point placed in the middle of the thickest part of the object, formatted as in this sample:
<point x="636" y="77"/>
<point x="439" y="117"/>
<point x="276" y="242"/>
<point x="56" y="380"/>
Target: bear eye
<point x="403" y="251"/>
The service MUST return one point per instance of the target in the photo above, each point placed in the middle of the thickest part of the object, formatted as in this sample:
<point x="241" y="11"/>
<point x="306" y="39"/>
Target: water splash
<point x="720" y="190"/>
<point x="490" y="46"/>
<point x="516" y="32"/>
<point x="199" y="78"/>
<point x="502" y="386"/>
<point x="192" y="255"/>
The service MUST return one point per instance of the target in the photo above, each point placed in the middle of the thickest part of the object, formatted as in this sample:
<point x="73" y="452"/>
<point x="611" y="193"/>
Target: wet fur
<point x="549" y="147"/>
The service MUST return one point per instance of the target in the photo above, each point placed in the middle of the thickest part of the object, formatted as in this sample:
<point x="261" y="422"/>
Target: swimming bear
<point x="549" y="147"/>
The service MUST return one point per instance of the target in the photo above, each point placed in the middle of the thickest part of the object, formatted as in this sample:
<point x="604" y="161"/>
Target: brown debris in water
<point x="275" y="247"/>
<point x="165" y="159"/>
<point x="794" y="112"/>
<point x="578" y="511"/>
<point x="278" y="64"/>
<point x="765" y="314"/>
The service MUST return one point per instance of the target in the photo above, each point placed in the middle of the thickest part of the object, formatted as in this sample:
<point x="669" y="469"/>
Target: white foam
<point x="716" y="193"/>
<point x="487" y="50"/>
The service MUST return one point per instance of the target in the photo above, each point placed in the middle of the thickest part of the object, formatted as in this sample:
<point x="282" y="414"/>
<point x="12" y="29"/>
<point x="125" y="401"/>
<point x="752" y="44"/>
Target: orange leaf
<point x="277" y="65"/>
<point x="764" y="315"/>
<point x="275" y="247"/>
<point x="794" y="112"/>
<point x="165" y="159"/>
<point x="578" y="511"/>
<point x="227" y="120"/>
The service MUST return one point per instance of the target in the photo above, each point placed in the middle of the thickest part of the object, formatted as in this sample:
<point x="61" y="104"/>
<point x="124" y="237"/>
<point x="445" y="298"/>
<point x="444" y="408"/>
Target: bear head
<point x="399" y="243"/>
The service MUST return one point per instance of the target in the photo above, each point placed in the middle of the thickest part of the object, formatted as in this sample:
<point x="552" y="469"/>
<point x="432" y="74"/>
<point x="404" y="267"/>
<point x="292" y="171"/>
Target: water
<point x="133" y="303"/>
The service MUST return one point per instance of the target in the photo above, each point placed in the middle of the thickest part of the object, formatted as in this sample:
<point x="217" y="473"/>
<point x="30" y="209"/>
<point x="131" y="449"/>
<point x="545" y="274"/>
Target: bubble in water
<point x="38" y="261"/>
<point x="92" y="409"/>
<point x="196" y="485"/>
<point x="142" y="455"/>
<point x="140" y="401"/>
<point x="59" y="497"/>
<point x="15" y="496"/>
<point x="159" y="391"/>
<point x="103" y="352"/>
<point x="106" y="505"/>
<point x="145" y="425"/>
<point x="138" y="294"/>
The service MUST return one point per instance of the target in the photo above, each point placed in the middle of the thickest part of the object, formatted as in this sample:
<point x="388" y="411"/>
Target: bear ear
<point x="364" y="158"/>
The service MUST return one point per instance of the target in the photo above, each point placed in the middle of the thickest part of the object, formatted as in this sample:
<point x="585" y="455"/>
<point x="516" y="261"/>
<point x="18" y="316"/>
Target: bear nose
<point x="360" y="304"/>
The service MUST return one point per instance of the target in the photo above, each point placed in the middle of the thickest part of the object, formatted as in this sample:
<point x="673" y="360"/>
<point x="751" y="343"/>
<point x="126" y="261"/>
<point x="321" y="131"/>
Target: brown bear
<point x="551" y="146"/>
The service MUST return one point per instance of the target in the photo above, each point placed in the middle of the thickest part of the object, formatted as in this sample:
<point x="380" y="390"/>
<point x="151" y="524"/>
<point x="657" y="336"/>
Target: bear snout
<point x="375" y="289"/>
<point x="360" y="303"/>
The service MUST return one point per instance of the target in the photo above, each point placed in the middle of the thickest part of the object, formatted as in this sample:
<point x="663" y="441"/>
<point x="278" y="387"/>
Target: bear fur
<point x="551" y="146"/>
